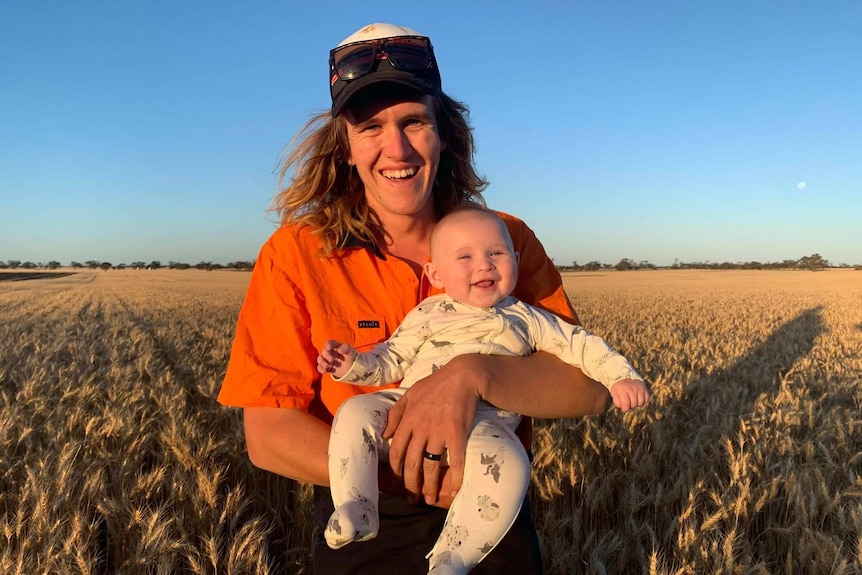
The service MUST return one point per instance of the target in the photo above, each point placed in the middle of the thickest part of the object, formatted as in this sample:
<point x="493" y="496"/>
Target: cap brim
<point x="349" y="89"/>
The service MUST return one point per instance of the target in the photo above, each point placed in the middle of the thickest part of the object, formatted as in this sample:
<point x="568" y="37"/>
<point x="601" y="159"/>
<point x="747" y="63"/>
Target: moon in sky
<point x="801" y="185"/>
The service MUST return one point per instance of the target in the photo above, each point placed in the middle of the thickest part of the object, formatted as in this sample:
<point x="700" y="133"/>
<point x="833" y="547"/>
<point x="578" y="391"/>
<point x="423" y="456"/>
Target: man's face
<point x="395" y="148"/>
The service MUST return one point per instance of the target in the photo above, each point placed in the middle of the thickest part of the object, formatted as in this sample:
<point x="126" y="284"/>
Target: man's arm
<point x="539" y="385"/>
<point x="437" y="412"/>
<point x="294" y="444"/>
<point x="289" y="442"/>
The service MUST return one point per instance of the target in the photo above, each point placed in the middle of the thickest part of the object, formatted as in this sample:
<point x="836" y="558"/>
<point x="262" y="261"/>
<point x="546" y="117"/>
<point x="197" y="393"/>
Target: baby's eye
<point x="464" y="257"/>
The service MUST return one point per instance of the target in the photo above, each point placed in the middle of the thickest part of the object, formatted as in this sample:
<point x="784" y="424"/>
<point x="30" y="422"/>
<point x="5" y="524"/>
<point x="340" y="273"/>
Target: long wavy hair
<point x="326" y="193"/>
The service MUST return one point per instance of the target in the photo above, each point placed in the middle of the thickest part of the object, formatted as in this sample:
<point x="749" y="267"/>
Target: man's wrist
<point x="479" y="368"/>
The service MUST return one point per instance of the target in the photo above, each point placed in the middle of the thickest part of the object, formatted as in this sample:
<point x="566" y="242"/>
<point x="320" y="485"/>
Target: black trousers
<point x="407" y="534"/>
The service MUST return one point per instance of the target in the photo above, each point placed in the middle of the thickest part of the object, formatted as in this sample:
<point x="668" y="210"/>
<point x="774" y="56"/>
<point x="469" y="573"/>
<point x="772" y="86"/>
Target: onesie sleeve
<point x="580" y="348"/>
<point x="386" y="362"/>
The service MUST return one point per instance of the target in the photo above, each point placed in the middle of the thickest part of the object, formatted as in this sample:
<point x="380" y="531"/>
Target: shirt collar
<point x="353" y="242"/>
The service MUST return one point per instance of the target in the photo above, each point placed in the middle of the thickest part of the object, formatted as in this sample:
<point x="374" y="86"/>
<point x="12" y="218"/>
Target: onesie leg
<point x="448" y="563"/>
<point x="353" y="520"/>
<point x="354" y="448"/>
<point x="496" y="477"/>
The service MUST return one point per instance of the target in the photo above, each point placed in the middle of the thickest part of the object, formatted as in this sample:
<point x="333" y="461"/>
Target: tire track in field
<point x="164" y="355"/>
<point x="202" y="440"/>
<point x="52" y="374"/>
<point x="46" y="339"/>
<point x="24" y="276"/>
<point x="119" y="426"/>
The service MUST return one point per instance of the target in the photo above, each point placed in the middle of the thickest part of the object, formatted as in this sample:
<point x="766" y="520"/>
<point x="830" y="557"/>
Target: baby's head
<point x="472" y="257"/>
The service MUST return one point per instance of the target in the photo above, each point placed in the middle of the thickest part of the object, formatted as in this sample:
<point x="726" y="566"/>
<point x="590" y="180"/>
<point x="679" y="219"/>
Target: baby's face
<point x="472" y="258"/>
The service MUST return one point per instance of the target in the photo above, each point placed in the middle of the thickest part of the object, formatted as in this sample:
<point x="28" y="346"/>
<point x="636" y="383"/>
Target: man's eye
<point x="414" y="123"/>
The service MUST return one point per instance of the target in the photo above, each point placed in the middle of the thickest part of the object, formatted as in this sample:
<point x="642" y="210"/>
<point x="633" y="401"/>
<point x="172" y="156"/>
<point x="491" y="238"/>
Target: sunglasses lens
<point x="404" y="53"/>
<point x="355" y="61"/>
<point x="407" y="53"/>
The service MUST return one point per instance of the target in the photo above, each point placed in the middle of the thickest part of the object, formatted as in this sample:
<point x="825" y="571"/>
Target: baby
<point x="473" y="260"/>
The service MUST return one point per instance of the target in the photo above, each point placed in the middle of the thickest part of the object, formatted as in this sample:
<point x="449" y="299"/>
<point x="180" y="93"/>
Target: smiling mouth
<point x="484" y="284"/>
<point x="398" y="174"/>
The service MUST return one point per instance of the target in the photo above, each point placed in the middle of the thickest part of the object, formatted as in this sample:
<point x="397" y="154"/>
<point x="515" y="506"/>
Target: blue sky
<point x="721" y="131"/>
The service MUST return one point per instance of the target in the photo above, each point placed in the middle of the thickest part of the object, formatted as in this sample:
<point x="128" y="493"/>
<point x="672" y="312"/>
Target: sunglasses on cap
<point x="358" y="59"/>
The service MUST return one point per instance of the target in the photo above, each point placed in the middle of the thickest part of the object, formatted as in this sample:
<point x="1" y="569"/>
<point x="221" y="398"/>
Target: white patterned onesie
<point x="497" y="469"/>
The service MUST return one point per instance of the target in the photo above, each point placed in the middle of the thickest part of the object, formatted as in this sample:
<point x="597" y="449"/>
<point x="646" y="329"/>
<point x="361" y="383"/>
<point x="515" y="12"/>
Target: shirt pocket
<point x="362" y="332"/>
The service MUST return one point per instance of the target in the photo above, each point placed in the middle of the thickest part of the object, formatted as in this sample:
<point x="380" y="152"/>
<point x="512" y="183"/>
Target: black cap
<point x="424" y="81"/>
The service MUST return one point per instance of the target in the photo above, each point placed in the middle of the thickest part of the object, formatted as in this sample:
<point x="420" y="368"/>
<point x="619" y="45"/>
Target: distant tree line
<point x="153" y="265"/>
<point x="814" y="262"/>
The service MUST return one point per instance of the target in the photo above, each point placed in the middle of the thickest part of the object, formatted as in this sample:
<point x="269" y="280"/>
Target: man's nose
<point x="396" y="145"/>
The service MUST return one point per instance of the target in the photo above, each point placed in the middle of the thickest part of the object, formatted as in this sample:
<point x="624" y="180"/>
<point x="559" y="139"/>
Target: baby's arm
<point x="594" y="356"/>
<point x="336" y="358"/>
<point x="629" y="394"/>
<point x="383" y="364"/>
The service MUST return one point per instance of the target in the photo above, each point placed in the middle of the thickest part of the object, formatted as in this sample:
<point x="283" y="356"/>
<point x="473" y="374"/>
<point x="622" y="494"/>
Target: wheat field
<point x="115" y="458"/>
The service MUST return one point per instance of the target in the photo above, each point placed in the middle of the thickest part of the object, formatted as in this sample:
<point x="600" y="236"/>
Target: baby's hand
<point x="629" y="394"/>
<point x="336" y="358"/>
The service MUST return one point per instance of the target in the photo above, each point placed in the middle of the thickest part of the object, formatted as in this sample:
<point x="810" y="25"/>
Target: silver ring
<point x="432" y="456"/>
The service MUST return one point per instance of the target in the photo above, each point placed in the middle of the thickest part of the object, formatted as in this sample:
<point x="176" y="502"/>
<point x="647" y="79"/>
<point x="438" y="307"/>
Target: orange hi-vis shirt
<point x="298" y="299"/>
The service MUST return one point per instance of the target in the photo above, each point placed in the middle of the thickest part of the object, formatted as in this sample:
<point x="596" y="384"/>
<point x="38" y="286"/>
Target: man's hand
<point x="434" y="416"/>
<point x="629" y="394"/>
<point x="336" y="358"/>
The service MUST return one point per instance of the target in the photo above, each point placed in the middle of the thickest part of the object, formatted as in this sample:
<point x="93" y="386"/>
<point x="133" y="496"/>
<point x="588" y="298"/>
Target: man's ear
<point x="433" y="277"/>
